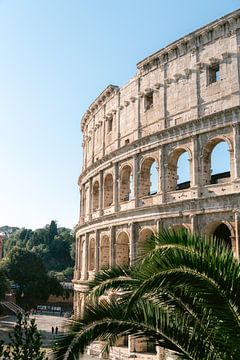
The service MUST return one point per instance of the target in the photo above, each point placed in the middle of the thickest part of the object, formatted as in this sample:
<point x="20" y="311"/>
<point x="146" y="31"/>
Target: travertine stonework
<point x="184" y="98"/>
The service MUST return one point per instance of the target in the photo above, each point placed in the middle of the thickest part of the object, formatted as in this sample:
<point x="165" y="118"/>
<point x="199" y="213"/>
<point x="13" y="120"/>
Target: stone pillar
<point x="135" y="179"/>
<point x="236" y="150"/>
<point x="85" y="258"/>
<point x="115" y="186"/>
<point x="162" y="175"/>
<point x="159" y="226"/>
<point x="97" y="249"/>
<point x="165" y="95"/>
<point x="77" y="259"/>
<point x="133" y="240"/>
<point x="100" y="192"/>
<point x="236" y="223"/>
<point x="90" y="199"/>
<point x="104" y="131"/>
<point x="193" y="219"/>
<point x="139" y="127"/>
<point x="93" y="139"/>
<point x="118" y="118"/>
<point x="112" y="246"/>
<point x="194" y="163"/>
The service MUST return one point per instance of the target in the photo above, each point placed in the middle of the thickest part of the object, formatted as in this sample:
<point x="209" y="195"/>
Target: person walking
<point x="52" y="330"/>
<point x="56" y="330"/>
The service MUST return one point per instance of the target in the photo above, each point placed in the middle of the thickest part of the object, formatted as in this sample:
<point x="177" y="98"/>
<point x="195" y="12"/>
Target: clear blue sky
<point x="55" y="58"/>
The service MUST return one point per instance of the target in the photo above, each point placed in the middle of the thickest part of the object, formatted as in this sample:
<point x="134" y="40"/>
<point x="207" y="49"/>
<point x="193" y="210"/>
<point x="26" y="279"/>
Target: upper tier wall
<point x="172" y="86"/>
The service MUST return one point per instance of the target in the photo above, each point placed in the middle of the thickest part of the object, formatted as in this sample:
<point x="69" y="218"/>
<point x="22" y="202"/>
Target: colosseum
<point x="183" y="103"/>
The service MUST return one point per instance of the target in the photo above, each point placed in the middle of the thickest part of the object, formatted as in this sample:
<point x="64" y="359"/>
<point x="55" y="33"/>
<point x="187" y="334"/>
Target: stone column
<point x="85" y="258"/>
<point x="139" y="127"/>
<point x="115" y="186"/>
<point x="100" y="192"/>
<point x="90" y="199"/>
<point x="193" y="219"/>
<point x="118" y="118"/>
<point x="93" y="139"/>
<point x="135" y="179"/>
<point x="159" y="226"/>
<point x="236" y="150"/>
<point x="133" y="240"/>
<point x="112" y="246"/>
<point x="236" y="223"/>
<point x="77" y="259"/>
<point x="162" y="175"/>
<point x="104" y="131"/>
<point x="194" y="163"/>
<point x="97" y="249"/>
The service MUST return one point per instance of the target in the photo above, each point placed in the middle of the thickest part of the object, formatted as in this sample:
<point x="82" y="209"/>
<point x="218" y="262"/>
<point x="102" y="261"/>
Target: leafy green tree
<point x="25" y="341"/>
<point x="53" y="230"/>
<point x="183" y="294"/>
<point x="27" y="270"/>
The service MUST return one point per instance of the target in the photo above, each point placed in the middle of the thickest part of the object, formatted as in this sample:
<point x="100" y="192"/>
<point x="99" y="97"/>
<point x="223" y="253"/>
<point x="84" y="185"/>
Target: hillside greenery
<point x="53" y="244"/>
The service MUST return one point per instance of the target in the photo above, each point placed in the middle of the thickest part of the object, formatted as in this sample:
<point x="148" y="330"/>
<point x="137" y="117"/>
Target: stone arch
<point x="148" y="165"/>
<point x="207" y="177"/>
<point x="104" y="252"/>
<point x="122" y="249"/>
<point x="125" y="183"/>
<point x="95" y="195"/>
<point x="144" y="234"/>
<point x="221" y="230"/>
<point x="91" y="255"/>
<point x="172" y="169"/>
<point x="108" y="190"/>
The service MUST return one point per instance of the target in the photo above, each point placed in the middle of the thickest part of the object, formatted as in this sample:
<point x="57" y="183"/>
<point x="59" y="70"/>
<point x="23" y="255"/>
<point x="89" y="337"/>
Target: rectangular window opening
<point x="148" y="100"/>
<point x="109" y="124"/>
<point x="214" y="73"/>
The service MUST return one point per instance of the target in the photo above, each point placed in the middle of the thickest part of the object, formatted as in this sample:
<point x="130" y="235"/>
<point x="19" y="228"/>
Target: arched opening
<point x="216" y="162"/>
<point x="122" y="249"/>
<point x="144" y="234"/>
<point x="148" y="177"/>
<point x="95" y="195"/>
<point x="91" y="255"/>
<point x="220" y="163"/>
<point x="223" y="234"/>
<point x="183" y="171"/>
<point x="178" y="171"/>
<point x="104" y="252"/>
<point x="125" y="183"/>
<point x="108" y="190"/>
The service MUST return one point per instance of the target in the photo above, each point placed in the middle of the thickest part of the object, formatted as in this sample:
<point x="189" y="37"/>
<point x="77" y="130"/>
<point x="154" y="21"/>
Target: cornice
<point x="221" y="27"/>
<point x="99" y="101"/>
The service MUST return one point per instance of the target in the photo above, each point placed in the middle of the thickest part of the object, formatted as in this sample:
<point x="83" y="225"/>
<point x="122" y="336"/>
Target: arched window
<point x="125" y="183"/>
<point x="216" y="162"/>
<point x="144" y="234"/>
<point x="148" y="177"/>
<point x="220" y="163"/>
<point x="222" y="233"/>
<point x="91" y="255"/>
<point x="183" y="171"/>
<point x="178" y="171"/>
<point x="95" y="195"/>
<point x="108" y="190"/>
<point x="122" y="249"/>
<point x="104" y="252"/>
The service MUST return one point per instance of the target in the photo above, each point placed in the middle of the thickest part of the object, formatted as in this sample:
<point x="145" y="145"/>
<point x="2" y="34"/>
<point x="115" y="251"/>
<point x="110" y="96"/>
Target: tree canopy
<point x="26" y="269"/>
<point x="182" y="294"/>
<point x="54" y="245"/>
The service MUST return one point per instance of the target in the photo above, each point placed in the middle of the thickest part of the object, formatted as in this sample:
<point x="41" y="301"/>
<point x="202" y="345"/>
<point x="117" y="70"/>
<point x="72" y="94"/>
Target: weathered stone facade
<point x="184" y="98"/>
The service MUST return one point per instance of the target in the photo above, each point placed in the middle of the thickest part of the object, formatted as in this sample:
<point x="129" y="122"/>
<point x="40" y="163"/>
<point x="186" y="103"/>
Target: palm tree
<point x="182" y="293"/>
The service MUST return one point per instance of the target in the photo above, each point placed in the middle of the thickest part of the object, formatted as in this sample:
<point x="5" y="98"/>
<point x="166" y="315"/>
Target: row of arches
<point x="220" y="230"/>
<point x="216" y="167"/>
